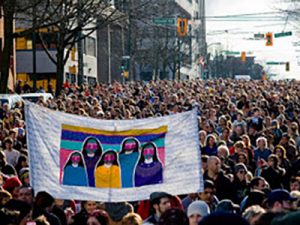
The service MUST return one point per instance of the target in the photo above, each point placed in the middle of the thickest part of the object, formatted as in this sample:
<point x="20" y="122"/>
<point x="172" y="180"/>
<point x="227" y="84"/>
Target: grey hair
<point x="252" y="211"/>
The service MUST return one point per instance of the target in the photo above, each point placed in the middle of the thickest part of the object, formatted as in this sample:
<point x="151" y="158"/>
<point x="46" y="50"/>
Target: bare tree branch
<point x="46" y="49"/>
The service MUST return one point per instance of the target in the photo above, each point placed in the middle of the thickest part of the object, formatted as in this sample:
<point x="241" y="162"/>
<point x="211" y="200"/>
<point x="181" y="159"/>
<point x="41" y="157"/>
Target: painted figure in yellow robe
<point x="107" y="172"/>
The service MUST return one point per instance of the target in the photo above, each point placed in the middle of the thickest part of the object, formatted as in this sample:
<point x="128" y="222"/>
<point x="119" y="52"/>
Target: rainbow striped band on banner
<point x="72" y="137"/>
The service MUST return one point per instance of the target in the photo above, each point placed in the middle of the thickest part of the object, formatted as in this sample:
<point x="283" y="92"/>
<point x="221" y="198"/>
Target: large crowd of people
<point x="249" y="141"/>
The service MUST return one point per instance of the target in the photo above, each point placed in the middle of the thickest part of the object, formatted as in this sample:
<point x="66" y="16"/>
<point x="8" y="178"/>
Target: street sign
<point x="232" y="53"/>
<point x="259" y="36"/>
<point x="283" y="34"/>
<point x="297" y="43"/>
<point x="275" y="63"/>
<point x="164" y="21"/>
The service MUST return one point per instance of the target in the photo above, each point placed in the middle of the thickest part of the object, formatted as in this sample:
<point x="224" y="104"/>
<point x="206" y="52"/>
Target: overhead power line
<point x="247" y="14"/>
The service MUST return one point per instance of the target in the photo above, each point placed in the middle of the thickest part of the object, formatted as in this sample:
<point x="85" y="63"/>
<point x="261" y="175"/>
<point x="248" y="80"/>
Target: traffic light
<point x="287" y="66"/>
<point x="269" y="38"/>
<point x="125" y="66"/>
<point x="264" y="76"/>
<point x="243" y="56"/>
<point x="126" y="74"/>
<point x="182" y="27"/>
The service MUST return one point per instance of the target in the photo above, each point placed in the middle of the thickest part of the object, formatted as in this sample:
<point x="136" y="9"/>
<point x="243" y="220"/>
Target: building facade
<point x="111" y="46"/>
<point x="191" y="69"/>
<point x="155" y="49"/>
<point x="46" y="68"/>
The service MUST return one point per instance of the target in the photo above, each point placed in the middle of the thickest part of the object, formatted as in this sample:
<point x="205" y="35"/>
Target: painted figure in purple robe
<point x="149" y="169"/>
<point x="91" y="151"/>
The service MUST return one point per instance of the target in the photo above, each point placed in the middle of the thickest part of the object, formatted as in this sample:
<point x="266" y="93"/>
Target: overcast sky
<point x="239" y="32"/>
<point x="223" y="7"/>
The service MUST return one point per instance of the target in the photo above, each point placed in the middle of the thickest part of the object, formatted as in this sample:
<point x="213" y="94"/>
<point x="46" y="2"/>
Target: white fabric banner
<point x="74" y="157"/>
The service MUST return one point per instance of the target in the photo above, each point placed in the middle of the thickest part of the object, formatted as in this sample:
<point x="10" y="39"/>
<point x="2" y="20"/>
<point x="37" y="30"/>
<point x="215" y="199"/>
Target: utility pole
<point x="34" y="75"/>
<point x="203" y="46"/>
<point x="179" y="59"/>
<point x="203" y="49"/>
<point x="130" y="75"/>
<point x="80" y="73"/>
<point x="109" y="54"/>
<point x="123" y="45"/>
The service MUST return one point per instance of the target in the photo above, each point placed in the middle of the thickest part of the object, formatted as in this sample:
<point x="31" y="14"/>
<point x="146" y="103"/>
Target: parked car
<point x="10" y="99"/>
<point x="34" y="97"/>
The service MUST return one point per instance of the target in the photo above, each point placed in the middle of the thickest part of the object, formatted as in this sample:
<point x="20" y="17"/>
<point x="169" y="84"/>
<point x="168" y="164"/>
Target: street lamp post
<point x="213" y="44"/>
<point x="80" y="46"/>
<point x="208" y="58"/>
<point x="109" y="54"/>
<point x="34" y="48"/>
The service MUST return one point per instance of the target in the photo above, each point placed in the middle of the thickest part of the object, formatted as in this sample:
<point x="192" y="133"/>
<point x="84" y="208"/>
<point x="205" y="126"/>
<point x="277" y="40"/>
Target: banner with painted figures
<point x="82" y="158"/>
<point x="132" y="158"/>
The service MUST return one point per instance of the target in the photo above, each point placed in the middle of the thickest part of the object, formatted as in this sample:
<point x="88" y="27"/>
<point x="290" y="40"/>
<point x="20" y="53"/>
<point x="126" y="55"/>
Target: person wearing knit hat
<point x="196" y="211"/>
<point x="240" y="166"/>
<point x="117" y="211"/>
<point x="240" y="183"/>
<point x="24" y="176"/>
<point x="11" y="185"/>
<point x="227" y="206"/>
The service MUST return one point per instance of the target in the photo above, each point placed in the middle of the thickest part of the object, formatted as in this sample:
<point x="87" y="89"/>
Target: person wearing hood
<point x="196" y="211"/>
<point x="240" y="184"/>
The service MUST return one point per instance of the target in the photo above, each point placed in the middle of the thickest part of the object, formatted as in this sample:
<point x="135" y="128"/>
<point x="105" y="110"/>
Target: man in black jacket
<point x="221" y="181"/>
